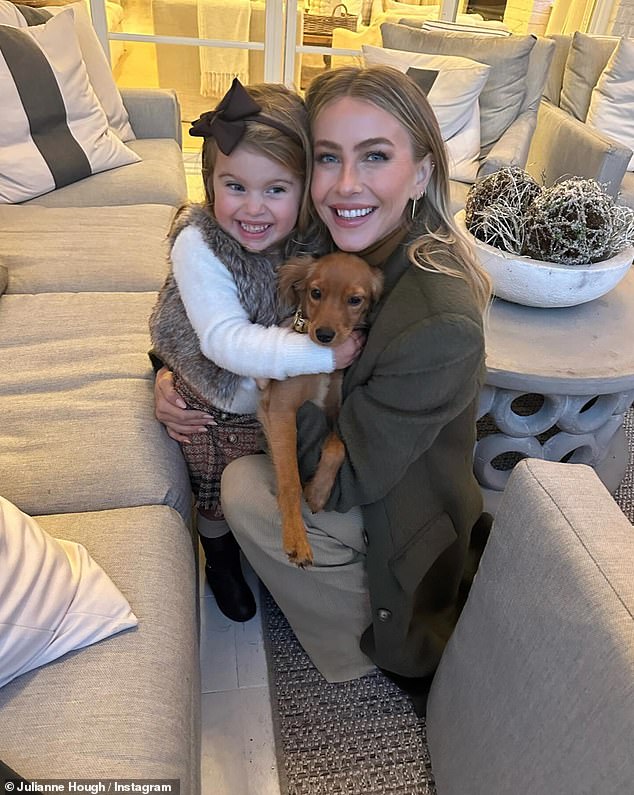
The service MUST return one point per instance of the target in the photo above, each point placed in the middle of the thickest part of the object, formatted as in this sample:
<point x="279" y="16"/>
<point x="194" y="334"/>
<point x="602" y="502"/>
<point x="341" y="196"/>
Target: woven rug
<point x="360" y="737"/>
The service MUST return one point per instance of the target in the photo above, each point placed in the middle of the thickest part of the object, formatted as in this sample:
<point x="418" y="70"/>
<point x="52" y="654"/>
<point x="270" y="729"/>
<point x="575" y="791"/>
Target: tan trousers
<point x="327" y="604"/>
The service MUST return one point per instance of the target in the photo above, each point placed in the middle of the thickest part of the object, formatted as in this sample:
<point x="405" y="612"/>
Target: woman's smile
<point x="347" y="214"/>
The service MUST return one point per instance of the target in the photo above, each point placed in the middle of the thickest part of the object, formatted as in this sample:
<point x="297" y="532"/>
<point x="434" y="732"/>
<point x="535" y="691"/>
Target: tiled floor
<point x="238" y="753"/>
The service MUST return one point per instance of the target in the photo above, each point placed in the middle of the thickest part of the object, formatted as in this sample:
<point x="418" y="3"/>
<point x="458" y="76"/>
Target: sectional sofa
<point x="81" y="452"/>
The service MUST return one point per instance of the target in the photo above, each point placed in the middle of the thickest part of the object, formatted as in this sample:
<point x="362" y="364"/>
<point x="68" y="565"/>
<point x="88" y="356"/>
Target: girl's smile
<point x="256" y="199"/>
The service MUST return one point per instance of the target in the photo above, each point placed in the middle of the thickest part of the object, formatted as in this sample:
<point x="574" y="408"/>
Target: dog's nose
<point x="325" y="335"/>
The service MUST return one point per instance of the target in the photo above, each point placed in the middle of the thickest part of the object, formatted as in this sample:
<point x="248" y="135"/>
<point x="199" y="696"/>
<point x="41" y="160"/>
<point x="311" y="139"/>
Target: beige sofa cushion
<point x="127" y="707"/>
<point x="534" y="690"/>
<point x="76" y="399"/>
<point x="136" y="183"/>
<point x="587" y="58"/>
<point x="552" y="87"/>
<point x="117" y="249"/>
<point x="611" y="108"/>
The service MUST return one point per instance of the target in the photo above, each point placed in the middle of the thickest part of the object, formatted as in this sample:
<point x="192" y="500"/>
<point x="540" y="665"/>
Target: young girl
<point x="214" y="322"/>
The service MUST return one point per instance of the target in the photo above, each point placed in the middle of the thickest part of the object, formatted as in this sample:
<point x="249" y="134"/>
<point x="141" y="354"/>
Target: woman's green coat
<point x="408" y="423"/>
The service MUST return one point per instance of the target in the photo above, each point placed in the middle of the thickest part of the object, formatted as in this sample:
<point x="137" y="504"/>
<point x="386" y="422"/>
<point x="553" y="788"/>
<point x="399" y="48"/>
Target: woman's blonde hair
<point x="398" y="95"/>
<point x="279" y="103"/>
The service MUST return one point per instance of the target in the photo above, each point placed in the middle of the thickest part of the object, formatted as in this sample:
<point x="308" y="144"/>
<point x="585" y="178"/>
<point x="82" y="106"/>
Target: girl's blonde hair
<point x="279" y="103"/>
<point x="398" y="95"/>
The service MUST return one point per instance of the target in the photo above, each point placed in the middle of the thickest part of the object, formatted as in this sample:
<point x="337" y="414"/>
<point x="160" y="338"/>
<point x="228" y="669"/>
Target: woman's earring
<point x="414" y="202"/>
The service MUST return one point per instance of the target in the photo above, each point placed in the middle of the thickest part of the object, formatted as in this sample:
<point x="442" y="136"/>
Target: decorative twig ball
<point x="496" y="205"/>
<point x="571" y="223"/>
<point x="574" y="222"/>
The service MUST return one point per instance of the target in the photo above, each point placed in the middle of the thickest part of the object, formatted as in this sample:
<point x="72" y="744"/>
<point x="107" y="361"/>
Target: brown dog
<point x="333" y="294"/>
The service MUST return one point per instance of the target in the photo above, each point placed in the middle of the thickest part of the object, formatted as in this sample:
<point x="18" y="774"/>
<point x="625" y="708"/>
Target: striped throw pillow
<point x="54" y="130"/>
<point x="458" y="27"/>
<point x="97" y="66"/>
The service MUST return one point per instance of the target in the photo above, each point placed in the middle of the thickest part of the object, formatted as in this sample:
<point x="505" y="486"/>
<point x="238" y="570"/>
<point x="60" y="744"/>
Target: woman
<point x="391" y="547"/>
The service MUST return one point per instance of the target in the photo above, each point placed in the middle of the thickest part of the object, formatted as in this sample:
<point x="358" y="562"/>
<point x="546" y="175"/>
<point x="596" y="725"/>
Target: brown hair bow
<point x="227" y="123"/>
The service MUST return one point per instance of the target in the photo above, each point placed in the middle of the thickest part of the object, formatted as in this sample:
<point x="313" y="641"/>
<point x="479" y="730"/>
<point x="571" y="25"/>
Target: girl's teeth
<point x="254" y="228"/>
<point x="354" y="213"/>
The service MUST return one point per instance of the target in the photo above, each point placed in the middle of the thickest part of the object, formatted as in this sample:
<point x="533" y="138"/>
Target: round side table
<point x="558" y="384"/>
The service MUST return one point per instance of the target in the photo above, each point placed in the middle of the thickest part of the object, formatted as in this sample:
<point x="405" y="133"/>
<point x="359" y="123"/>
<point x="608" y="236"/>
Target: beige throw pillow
<point x="54" y="130"/>
<point x="455" y="86"/>
<point x="612" y="102"/>
<point x="53" y="596"/>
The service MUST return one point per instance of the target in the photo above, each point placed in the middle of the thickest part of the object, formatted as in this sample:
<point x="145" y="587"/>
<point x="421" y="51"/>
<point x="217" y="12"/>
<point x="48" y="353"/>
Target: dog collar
<point x="300" y="323"/>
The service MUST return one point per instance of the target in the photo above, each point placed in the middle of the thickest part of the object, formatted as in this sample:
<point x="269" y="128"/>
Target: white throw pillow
<point x="54" y="598"/>
<point x="54" y="131"/>
<point x="97" y="65"/>
<point x="454" y="98"/>
<point x="612" y="102"/>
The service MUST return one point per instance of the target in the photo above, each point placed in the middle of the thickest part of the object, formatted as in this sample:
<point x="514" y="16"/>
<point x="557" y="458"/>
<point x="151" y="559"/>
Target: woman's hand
<point x="172" y="411"/>
<point x="349" y="350"/>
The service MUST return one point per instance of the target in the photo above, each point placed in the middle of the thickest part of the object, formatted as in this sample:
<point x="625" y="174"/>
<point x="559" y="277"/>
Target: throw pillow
<point x="612" y="102"/>
<point x="587" y="58"/>
<point x="503" y="94"/>
<point x="54" y="597"/>
<point x="54" y="131"/>
<point x="489" y="29"/>
<point x="97" y="65"/>
<point x="455" y="85"/>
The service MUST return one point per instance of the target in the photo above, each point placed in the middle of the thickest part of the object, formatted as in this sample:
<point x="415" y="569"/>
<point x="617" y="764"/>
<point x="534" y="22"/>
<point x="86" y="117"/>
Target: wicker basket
<point x="318" y="24"/>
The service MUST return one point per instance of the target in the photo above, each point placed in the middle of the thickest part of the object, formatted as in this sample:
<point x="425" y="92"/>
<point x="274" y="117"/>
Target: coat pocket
<point x="412" y="562"/>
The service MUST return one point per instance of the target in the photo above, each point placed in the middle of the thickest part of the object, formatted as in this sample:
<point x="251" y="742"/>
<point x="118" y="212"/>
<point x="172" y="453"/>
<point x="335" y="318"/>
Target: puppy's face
<point x="333" y="292"/>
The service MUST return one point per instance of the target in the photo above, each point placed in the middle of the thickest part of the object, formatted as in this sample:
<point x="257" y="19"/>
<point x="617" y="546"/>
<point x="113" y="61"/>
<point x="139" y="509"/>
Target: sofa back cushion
<point x="503" y="94"/>
<point x="539" y="63"/>
<point x="552" y="86"/>
<point x="586" y="60"/>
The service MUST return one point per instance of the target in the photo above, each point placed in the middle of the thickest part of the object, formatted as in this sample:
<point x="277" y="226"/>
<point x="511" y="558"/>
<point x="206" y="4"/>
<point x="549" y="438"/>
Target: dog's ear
<point x="376" y="284"/>
<point x="292" y="277"/>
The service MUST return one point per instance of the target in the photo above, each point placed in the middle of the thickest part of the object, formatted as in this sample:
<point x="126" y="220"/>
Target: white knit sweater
<point x="226" y="334"/>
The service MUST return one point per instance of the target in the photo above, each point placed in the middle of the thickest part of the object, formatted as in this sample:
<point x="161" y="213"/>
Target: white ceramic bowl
<point x="535" y="283"/>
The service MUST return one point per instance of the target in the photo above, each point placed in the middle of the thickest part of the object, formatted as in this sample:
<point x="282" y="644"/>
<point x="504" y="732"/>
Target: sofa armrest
<point x="564" y="146"/>
<point x="534" y="689"/>
<point x="512" y="147"/>
<point x="153" y="112"/>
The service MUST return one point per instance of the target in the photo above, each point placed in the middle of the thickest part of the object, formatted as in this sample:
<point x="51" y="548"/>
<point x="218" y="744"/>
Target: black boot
<point x="225" y="577"/>
<point x="416" y="687"/>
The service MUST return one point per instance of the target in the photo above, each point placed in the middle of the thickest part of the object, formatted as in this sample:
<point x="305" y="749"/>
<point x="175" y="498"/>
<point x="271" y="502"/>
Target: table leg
<point x="584" y="429"/>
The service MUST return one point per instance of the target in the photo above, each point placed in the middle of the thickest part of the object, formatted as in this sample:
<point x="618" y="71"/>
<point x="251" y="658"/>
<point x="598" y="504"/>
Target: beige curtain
<point x="568" y="16"/>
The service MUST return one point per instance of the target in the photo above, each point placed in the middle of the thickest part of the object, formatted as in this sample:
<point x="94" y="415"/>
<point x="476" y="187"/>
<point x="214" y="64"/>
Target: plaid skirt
<point x="234" y="436"/>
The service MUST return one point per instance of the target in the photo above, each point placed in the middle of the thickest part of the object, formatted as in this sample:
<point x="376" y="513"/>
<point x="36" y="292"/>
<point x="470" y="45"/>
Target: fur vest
<point x="173" y="338"/>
